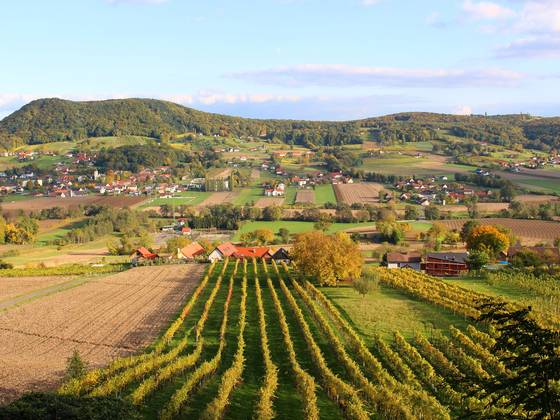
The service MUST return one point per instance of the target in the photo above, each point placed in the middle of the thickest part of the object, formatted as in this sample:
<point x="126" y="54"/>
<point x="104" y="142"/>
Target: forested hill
<point x="51" y="120"/>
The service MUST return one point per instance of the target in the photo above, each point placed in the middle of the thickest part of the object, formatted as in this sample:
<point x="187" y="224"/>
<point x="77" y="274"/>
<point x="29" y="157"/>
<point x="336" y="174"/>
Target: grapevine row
<point x="304" y="381"/>
<point x="231" y="377"/>
<point x="265" y="410"/>
<point x="180" y="397"/>
<point x="336" y="388"/>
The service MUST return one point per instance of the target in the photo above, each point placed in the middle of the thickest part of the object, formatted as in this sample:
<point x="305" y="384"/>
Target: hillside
<point x="52" y="120"/>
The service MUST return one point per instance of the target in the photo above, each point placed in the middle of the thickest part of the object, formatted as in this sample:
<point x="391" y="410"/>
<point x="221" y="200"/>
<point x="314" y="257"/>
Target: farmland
<point x="324" y="193"/>
<point x="365" y="193"/>
<point x="219" y="198"/>
<point x="11" y="287"/>
<point x="104" y="318"/>
<point x="41" y="203"/>
<point x="305" y="197"/>
<point x="252" y="341"/>
<point x="269" y="201"/>
<point x="535" y="230"/>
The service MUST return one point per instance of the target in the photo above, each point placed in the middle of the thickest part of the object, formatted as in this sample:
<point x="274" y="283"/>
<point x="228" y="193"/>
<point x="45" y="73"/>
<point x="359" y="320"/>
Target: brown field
<point x="305" y="197"/>
<point x="531" y="230"/>
<point x="10" y="287"/>
<point x="482" y="207"/>
<point x="536" y="199"/>
<point x="219" y="198"/>
<point x="41" y="203"/>
<point x="103" y="319"/>
<point x="255" y="174"/>
<point x="269" y="201"/>
<point x="364" y="193"/>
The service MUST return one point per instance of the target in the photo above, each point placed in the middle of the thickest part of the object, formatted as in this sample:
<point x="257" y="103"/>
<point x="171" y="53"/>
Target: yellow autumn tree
<point x="488" y="239"/>
<point x="328" y="258"/>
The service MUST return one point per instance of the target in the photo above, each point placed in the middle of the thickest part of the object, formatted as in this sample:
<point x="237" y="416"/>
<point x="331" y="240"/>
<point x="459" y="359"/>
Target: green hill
<point x="54" y="120"/>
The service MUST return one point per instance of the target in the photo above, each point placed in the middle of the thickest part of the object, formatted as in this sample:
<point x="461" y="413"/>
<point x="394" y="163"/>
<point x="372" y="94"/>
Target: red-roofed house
<point x="222" y="251"/>
<point x="143" y="254"/>
<point x="252" y="252"/>
<point x="191" y="251"/>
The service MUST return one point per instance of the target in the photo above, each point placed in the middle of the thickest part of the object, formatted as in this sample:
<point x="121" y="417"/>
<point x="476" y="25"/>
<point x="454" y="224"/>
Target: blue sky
<point x="312" y="59"/>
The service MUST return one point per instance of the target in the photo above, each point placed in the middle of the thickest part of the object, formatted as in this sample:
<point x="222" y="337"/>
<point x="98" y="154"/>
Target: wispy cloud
<point x="485" y="10"/>
<point x="535" y="47"/>
<point x="345" y="76"/>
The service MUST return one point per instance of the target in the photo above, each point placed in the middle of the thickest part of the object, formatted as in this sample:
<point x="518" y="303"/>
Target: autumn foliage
<point x="328" y="258"/>
<point x="488" y="239"/>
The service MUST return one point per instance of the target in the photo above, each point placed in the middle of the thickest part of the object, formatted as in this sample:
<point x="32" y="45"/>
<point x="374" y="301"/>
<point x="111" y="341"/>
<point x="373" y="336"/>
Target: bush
<point x="43" y="406"/>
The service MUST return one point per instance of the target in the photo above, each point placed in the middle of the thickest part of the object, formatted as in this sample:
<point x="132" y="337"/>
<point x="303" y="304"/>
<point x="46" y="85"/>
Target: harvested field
<point x="103" y="319"/>
<point x="255" y="174"/>
<point x="529" y="229"/>
<point x="536" y="199"/>
<point x="482" y="207"/>
<point x="269" y="201"/>
<point x="364" y="193"/>
<point x="41" y="203"/>
<point x="305" y="197"/>
<point x="10" y="287"/>
<point x="219" y="198"/>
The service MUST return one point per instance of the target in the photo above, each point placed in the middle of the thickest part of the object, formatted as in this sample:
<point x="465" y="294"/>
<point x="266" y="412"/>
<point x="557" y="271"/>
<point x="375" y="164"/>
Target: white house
<point x="412" y="260"/>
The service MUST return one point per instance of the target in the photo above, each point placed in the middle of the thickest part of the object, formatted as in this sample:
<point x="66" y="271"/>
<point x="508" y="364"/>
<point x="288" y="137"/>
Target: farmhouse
<point x="143" y="254"/>
<point x="281" y="255"/>
<point x="222" y="251"/>
<point x="190" y="252"/>
<point x="411" y="260"/>
<point x="252" y="252"/>
<point x="446" y="264"/>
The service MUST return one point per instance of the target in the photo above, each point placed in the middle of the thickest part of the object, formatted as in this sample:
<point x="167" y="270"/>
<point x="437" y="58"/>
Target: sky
<point x="297" y="59"/>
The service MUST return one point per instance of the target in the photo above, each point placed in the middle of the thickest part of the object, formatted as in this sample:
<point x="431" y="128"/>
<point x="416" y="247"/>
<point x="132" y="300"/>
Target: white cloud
<point x="540" y="16"/>
<point x="485" y="10"/>
<point x="344" y="76"/>
<point x="532" y="47"/>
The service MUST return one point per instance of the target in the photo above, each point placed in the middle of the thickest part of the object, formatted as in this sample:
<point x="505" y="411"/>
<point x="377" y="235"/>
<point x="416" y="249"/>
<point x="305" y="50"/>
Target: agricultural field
<point x="219" y="198"/>
<point x="253" y="342"/>
<point x="13" y="287"/>
<point x="189" y="198"/>
<point x="248" y="195"/>
<point x="363" y="193"/>
<point x="529" y="230"/>
<point x="324" y="193"/>
<point x="269" y="201"/>
<point x="305" y="197"/>
<point x="296" y="227"/>
<point x="104" y="318"/>
<point x="408" y="165"/>
<point x="41" y="203"/>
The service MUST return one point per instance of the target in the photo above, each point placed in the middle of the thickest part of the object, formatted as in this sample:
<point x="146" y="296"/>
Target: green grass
<point x="294" y="227"/>
<point x="482" y="286"/>
<point x="290" y="196"/>
<point x="59" y="233"/>
<point x="387" y="310"/>
<point x="248" y="195"/>
<point x="189" y="198"/>
<point x="540" y="185"/>
<point x="324" y="194"/>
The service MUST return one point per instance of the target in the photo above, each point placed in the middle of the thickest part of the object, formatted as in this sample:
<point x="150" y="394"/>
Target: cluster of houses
<point x="437" y="191"/>
<point x="195" y="251"/>
<point x="536" y="162"/>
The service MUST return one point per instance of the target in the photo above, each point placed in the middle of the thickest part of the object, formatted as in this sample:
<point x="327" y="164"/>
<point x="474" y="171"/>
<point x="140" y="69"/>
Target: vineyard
<point x="252" y="342"/>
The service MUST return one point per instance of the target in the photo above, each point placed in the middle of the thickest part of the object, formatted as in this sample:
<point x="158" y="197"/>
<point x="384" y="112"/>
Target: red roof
<point x="192" y="250"/>
<point x="227" y="249"/>
<point x="145" y="253"/>
<point x="253" y="252"/>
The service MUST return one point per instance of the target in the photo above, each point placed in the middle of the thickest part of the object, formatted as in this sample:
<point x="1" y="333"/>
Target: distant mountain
<point x="51" y="120"/>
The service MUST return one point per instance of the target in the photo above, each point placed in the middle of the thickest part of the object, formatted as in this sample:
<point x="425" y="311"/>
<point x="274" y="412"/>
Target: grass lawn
<point x="248" y="195"/>
<point x="294" y="227"/>
<point x="58" y="233"/>
<point x="387" y="310"/>
<point x="324" y="194"/>
<point x="189" y="198"/>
